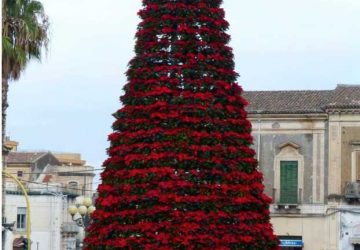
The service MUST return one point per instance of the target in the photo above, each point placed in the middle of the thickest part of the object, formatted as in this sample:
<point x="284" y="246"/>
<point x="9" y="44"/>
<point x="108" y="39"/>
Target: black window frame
<point x="20" y="173"/>
<point x="21" y="218"/>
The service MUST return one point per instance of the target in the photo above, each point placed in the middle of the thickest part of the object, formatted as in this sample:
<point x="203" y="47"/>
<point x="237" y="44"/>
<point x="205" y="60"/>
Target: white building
<point x="52" y="184"/>
<point x="51" y="226"/>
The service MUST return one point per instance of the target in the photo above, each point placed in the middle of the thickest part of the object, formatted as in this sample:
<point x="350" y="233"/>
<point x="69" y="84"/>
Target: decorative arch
<point x="73" y="184"/>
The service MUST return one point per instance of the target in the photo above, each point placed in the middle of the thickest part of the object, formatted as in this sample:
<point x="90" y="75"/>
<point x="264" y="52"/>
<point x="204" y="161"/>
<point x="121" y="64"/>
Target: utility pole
<point x="5" y="151"/>
<point x="84" y="184"/>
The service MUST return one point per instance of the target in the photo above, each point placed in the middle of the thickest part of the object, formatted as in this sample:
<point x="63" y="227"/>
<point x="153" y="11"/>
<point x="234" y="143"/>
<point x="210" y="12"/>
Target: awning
<point x="291" y="243"/>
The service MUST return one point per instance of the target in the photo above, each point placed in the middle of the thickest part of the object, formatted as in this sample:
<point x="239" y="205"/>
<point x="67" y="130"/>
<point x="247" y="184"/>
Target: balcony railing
<point x="46" y="187"/>
<point x="69" y="228"/>
<point x="277" y="199"/>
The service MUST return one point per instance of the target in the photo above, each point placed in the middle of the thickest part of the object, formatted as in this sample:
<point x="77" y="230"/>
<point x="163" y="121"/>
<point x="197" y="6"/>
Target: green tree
<point x="24" y="34"/>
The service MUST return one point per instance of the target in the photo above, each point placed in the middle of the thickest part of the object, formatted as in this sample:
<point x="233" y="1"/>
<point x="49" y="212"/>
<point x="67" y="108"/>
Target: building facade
<point x="47" y="218"/>
<point x="68" y="170"/>
<point x="52" y="182"/>
<point x="307" y="145"/>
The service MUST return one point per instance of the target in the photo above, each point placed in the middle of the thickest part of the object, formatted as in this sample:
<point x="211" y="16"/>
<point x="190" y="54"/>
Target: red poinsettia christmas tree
<point x="181" y="173"/>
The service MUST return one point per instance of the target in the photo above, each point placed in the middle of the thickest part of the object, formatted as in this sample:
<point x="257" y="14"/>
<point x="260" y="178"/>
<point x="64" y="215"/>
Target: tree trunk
<point x="4" y="90"/>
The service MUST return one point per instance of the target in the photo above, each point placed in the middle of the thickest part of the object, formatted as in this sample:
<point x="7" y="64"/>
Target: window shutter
<point x="357" y="159"/>
<point x="289" y="182"/>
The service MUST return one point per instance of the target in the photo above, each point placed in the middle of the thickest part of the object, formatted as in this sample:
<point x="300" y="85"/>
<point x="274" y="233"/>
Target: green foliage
<point x="24" y="34"/>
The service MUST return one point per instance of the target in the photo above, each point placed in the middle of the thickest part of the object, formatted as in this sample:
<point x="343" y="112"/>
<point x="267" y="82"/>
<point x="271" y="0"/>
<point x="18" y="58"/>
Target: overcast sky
<point x="64" y="104"/>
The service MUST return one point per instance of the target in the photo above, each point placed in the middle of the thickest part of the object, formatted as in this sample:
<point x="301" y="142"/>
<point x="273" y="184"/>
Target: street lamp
<point x="81" y="211"/>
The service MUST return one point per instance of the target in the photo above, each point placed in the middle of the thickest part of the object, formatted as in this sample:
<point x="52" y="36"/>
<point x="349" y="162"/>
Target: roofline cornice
<point x="286" y="116"/>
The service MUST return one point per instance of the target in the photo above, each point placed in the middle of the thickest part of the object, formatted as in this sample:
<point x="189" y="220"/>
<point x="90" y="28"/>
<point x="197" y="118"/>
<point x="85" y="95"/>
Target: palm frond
<point x="25" y="34"/>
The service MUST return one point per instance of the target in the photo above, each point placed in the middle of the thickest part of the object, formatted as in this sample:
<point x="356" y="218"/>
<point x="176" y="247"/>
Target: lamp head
<point x="87" y="202"/>
<point x="91" y="209"/>
<point x="82" y="210"/>
<point x="72" y="209"/>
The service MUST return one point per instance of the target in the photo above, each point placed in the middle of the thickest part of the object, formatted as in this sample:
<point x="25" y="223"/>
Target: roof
<point x="70" y="158"/>
<point x="24" y="157"/>
<point x="303" y="101"/>
<point x="345" y="96"/>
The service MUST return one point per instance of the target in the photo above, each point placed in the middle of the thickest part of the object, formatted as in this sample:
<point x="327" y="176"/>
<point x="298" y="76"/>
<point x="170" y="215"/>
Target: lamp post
<point x="81" y="211"/>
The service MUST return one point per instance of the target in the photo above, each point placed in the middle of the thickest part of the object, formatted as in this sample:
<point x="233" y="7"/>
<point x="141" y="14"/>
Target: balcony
<point x="284" y="206"/>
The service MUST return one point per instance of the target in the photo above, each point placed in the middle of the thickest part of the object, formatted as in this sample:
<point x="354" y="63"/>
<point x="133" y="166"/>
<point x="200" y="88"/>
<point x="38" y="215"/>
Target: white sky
<point x="65" y="103"/>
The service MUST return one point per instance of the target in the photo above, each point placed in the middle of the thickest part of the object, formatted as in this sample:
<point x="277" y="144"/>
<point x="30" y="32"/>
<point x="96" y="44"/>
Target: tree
<point x="181" y="173"/>
<point x="24" y="34"/>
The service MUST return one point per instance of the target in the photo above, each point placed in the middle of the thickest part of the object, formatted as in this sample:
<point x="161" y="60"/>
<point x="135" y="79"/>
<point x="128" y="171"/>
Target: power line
<point x="59" y="172"/>
<point x="70" y="188"/>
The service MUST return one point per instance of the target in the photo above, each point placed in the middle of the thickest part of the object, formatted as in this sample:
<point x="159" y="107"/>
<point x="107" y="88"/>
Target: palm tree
<point x="24" y="34"/>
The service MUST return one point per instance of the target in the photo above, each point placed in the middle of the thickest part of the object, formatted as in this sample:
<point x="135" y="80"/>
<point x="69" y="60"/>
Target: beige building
<point x="68" y="171"/>
<point x="74" y="172"/>
<point x="308" y="147"/>
<point x="27" y="166"/>
<point x="52" y="181"/>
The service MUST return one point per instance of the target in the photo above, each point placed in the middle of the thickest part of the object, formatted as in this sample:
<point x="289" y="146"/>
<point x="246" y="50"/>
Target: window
<point x="19" y="173"/>
<point x="73" y="184"/>
<point x="21" y="218"/>
<point x="289" y="182"/>
<point x="288" y="175"/>
<point x="73" y="187"/>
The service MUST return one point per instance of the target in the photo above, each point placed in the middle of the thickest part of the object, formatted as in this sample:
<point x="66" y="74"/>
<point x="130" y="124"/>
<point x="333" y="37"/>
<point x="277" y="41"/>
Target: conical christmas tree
<point x="181" y="173"/>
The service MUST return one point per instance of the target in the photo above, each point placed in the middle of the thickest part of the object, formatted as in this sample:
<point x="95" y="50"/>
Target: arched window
<point x="73" y="185"/>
